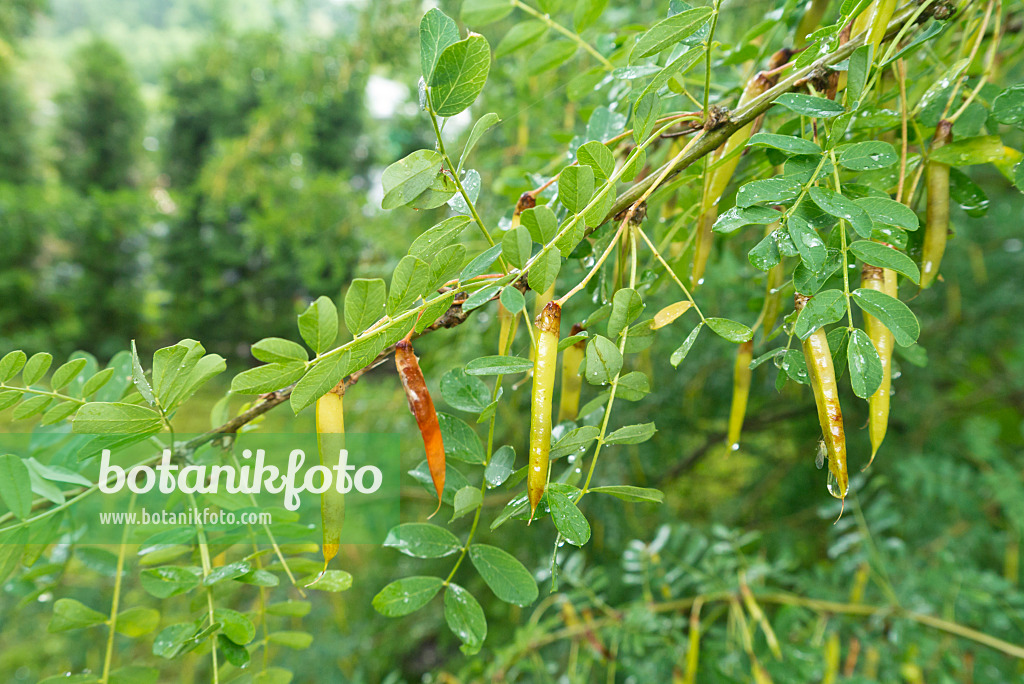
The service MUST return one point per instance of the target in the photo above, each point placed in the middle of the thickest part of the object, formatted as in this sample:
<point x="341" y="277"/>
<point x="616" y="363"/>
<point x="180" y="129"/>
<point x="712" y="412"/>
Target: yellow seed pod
<point x="548" y="324"/>
<point x="741" y="377"/>
<point x="826" y="397"/>
<point x="330" y="435"/>
<point x="882" y="280"/>
<point x="572" y="382"/>
<point x="936" y="230"/>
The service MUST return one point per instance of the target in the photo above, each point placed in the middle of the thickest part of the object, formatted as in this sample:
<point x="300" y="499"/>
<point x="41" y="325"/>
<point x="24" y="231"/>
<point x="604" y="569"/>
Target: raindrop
<point x="735" y="446"/>
<point x="833" y="486"/>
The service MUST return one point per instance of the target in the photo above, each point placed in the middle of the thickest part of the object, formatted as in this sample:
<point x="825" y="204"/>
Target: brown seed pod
<point x="422" y="407"/>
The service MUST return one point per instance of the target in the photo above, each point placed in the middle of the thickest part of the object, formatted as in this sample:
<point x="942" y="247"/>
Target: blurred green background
<point x="205" y="169"/>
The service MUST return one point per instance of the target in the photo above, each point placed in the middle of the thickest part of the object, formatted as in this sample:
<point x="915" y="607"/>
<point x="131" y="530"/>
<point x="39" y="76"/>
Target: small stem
<point x="842" y="243"/>
<point x="597" y="266"/>
<point x="458" y="182"/>
<point x="270" y="535"/>
<point x="612" y="180"/>
<point x="970" y="59"/>
<point x="115" y="602"/>
<point x="671" y="273"/>
<point x="29" y="390"/>
<point x="901" y="77"/>
<point x="707" y="55"/>
<point x="204" y="556"/>
<point x="615" y="381"/>
<point x="575" y="37"/>
<point x="487" y="459"/>
<point x="989" y="65"/>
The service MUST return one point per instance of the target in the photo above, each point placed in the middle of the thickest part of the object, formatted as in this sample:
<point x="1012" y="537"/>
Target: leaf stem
<point x="615" y="381"/>
<point x="204" y="556"/>
<point x="504" y="344"/>
<point x="842" y="243"/>
<point x="597" y="266"/>
<point x="575" y="37"/>
<point x="458" y="182"/>
<point x="115" y="602"/>
<point x="707" y="55"/>
<point x="671" y="273"/>
<point x="29" y="390"/>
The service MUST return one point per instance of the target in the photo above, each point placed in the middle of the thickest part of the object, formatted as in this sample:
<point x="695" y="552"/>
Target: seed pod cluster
<point x="422" y="407"/>
<point x="544" y="365"/>
<point x="330" y="437"/>
<point x="826" y="398"/>
<point x="936" y="229"/>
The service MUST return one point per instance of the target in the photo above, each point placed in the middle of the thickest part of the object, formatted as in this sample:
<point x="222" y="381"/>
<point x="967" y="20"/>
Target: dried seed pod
<point x="330" y="437"/>
<point x="826" y="398"/>
<point x="883" y="280"/>
<point x="422" y="407"/>
<point x="936" y="228"/>
<point x="572" y="382"/>
<point x="741" y="377"/>
<point x="526" y="201"/>
<point x="548" y="324"/>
